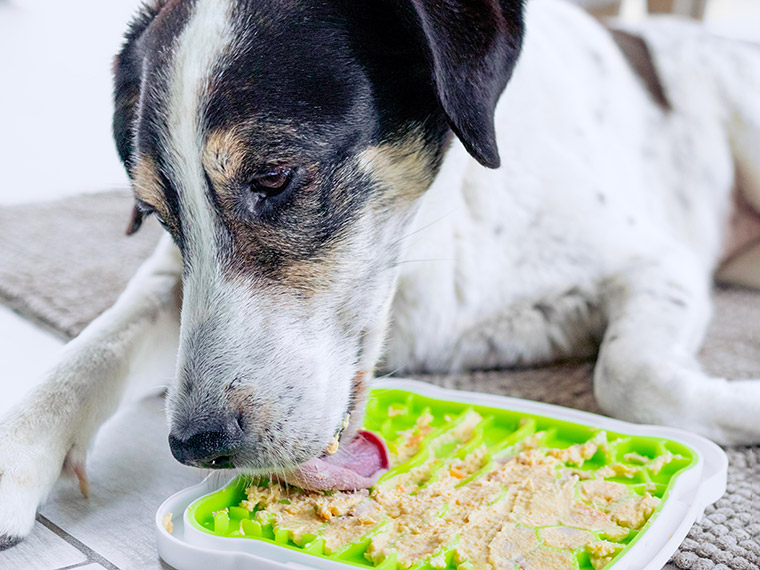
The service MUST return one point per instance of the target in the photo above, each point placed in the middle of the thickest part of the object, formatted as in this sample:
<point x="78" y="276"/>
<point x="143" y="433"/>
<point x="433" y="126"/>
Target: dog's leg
<point x="51" y="430"/>
<point x="742" y="81"/>
<point x="647" y="371"/>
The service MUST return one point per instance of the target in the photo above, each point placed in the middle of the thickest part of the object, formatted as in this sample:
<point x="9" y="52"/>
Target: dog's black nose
<point x="209" y="449"/>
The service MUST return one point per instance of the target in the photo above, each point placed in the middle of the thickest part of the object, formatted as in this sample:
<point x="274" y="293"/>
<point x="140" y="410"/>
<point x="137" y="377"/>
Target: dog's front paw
<point x="30" y="465"/>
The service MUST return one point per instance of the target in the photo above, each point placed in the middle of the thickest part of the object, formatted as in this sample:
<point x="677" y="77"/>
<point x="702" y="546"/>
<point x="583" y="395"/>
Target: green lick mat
<point x="643" y="464"/>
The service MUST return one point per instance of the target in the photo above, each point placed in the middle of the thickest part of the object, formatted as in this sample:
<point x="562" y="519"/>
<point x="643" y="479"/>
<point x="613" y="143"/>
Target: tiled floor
<point x="26" y="352"/>
<point x="55" y="141"/>
<point x="131" y="473"/>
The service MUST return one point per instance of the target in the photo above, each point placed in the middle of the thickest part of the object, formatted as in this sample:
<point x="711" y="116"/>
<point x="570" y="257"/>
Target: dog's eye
<point x="148" y="210"/>
<point x="271" y="183"/>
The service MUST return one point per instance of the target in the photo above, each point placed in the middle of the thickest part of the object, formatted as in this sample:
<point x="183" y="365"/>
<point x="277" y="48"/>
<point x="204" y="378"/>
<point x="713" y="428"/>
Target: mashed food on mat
<point x="451" y="503"/>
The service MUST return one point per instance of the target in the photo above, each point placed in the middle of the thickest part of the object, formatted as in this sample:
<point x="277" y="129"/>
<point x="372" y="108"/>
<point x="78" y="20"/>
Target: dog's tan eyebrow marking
<point x="226" y="149"/>
<point x="404" y="166"/>
<point x="147" y="187"/>
<point x="146" y="182"/>
<point x="223" y="158"/>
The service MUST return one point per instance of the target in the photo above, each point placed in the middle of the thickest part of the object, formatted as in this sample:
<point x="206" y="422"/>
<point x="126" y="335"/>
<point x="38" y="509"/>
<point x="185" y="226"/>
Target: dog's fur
<point x="389" y="242"/>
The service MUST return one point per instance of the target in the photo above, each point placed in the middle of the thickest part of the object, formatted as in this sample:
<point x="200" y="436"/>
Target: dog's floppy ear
<point x="127" y="78"/>
<point x="127" y="73"/>
<point x="473" y="46"/>
<point x="135" y="222"/>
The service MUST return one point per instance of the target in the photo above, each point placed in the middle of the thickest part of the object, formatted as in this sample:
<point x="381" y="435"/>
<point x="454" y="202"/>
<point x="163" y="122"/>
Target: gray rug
<point x="63" y="263"/>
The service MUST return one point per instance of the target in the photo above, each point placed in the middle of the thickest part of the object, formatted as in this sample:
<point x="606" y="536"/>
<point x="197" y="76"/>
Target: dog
<point x="341" y="192"/>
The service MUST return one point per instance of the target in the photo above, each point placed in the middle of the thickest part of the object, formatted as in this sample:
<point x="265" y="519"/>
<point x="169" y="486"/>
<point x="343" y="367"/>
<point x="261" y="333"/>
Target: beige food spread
<point x="527" y="509"/>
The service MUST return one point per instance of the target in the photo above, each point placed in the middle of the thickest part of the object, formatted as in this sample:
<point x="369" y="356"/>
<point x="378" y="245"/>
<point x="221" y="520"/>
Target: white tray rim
<point x="695" y="489"/>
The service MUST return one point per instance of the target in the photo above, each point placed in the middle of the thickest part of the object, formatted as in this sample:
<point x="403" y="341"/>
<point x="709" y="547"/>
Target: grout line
<point x="93" y="557"/>
<point x="80" y="564"/>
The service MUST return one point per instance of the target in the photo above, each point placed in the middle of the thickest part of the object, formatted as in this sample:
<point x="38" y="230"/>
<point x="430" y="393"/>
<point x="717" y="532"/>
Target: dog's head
<point x="284" y="144"/>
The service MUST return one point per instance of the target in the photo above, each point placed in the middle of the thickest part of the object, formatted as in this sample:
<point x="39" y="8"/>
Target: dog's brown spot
<point x="742" y="233"/>
<point x="404" y="168"/>
<point x="360" y="384"/>
<point x="637" y="52"/>
<point x="147" y="187"/>
<point x="259" y="411"/>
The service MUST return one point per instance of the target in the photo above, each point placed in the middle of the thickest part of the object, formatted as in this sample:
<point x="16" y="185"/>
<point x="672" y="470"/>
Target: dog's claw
<point x="74" y="465"/>
<point x="9" y="541"/>
<point x="84" y="483"/>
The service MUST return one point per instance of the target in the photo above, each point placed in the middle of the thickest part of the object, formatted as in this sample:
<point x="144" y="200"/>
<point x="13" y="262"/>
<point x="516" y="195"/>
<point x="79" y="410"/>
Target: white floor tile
<point x="26" y="352"/>
<point x="131" y="472"/>
<point x="43" y="550"/>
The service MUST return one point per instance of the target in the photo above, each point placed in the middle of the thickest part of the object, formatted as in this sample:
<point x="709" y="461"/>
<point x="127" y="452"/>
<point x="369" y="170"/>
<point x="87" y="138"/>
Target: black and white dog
<point x="329" y="176"/>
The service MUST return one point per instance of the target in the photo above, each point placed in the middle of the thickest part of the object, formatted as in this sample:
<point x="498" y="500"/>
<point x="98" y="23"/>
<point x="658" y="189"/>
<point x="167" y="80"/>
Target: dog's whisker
<point x="432" y="259"/>
<point x="390" y="374"/>
<point x="423" y="228"/>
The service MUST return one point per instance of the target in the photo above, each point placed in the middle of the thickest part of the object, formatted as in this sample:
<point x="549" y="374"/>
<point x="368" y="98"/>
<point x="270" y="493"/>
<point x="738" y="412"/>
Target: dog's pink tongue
<point x="357" y="465"/>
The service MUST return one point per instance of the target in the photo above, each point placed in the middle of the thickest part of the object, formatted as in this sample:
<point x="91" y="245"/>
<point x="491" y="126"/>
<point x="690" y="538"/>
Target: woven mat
<point x="63" y="263"/>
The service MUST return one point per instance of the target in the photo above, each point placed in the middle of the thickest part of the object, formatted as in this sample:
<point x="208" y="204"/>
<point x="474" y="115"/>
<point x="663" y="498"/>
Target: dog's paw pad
<point x="7" y="541"/>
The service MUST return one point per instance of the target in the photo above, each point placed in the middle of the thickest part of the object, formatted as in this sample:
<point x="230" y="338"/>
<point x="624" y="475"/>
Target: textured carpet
<point x="63" y="263"/>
